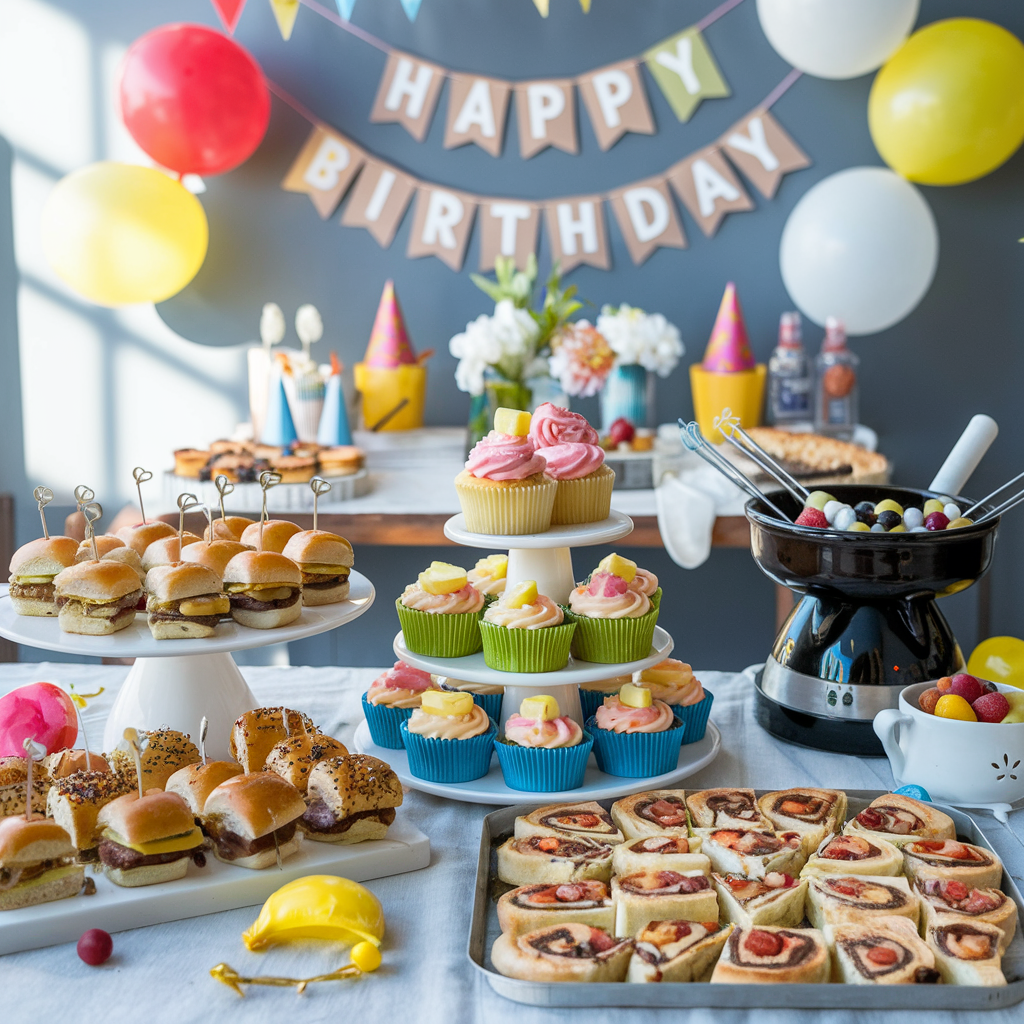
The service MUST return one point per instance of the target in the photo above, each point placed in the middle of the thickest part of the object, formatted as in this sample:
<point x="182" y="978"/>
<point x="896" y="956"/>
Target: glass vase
<point x="627" y="394"/>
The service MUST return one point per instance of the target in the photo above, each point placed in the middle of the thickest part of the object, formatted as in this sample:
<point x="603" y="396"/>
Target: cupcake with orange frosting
<point x="489" y="575"/>
<point x="504" y="488"/>
<point x="574" y="458"/>
<point x="614" y="615"/>
<point x="524" y="631"/>
<point x="635" y="736"/>
<point x="592" y="695"/>
<point x="674" y="683"/>
<point x="391" y="699"/>
<point x="449" y="738"/>
<point x="542" y="750"/>
<point x="440" y="613"/>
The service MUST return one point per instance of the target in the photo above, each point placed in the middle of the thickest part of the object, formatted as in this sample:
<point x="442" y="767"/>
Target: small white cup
<point x="974" y="764"/>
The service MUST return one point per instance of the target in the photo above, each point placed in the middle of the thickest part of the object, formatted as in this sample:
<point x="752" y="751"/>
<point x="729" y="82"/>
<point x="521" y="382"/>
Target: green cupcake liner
<point x="543" y="770"/>
<point x="385" y="723"/>
<point x="449" y="761"/>
<point x="612" y="641"/>
<point x="637" y="755"/>
<point x="656" y="598"/>
<point x="437" y="635"/>
<point x="526" y="650"/>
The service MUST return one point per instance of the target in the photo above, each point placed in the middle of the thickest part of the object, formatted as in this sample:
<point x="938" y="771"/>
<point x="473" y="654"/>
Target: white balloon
<point x="861" y="245"/>
<point x="837" y="38"/>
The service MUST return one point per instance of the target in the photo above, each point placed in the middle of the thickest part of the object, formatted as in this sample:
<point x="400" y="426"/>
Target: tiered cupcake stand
<point x="547" y="559"/>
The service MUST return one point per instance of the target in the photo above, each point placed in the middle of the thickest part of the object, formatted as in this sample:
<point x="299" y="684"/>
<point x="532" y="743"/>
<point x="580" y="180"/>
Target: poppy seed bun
<point x="276" y="533"/>
<point x="294" y="758"/>
<point x="105" y="543"/>
<point x="318" y="547"/>
<point x="44" y="557"/>
<point x="166" y="550"/>
<point x="262" y="567"/>
<point x="180" y="580"/>
<point x="166" y="751"/>
<point x="254" y="805"/>
<point x="195" y="782"/>
<point x="26" y="843"/>
<point x="213" y="554"/>
<point x="143" y="819"/>
<point x="141" y="536"/>
<point x="97" y="582"/>
<point x="230" y="528"/>
<point x="354" y="783"/>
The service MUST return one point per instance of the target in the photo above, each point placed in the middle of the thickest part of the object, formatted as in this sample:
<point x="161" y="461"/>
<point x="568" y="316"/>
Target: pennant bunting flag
<point x="408" y="93"/>
<point x="684" y="68"/>
<point x="285" y="13"/>
<point x="477" y="108"/>
<point x="708" y="188"/>
<point x="508" y="227"/>
<point x="345" y="8"/>
<point x="585" y="4"/>
<point x="546" y="115"/>
<point x="616" y="101"/>
<point x="542" y="6"/>
<point x="411" y="8"/>
<point x="576" y="229"/>
<point x="647" y="218"/>
<point x="379" y="200"/>
<point x="229" y="11"/>
<point x="760" y="147"/>
<point x="324" y="169"/>
<point x="441" y="223"/>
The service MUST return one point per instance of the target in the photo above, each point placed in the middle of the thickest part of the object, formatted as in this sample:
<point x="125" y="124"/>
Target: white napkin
<point x="688" y="504"/>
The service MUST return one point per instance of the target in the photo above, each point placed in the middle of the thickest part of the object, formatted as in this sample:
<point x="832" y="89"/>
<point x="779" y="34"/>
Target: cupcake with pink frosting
<point x="635" y="735"/>
<point x="614" y="615"/>
<point x="542" y="750"/>
<point x="391" y="699"/>
<point x="440" y="613"/>
<point x="673" y="682"/>
<point x="504" y="489"/>
<point x="524" y="631"/>
<point x="574" y="458"/>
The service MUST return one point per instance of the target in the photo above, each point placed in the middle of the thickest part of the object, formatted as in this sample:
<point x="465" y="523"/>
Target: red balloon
<point x="194" y="99"/>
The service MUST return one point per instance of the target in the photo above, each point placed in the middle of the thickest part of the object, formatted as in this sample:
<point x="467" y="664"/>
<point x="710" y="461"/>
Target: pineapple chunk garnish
<point x="541" y="708"/>
<point x="634" y="696"/>
<point x="618" y="566"/>
<point x="442" y="578"/>
<point x="512" y="421"/>
<point x="441" y="702"/>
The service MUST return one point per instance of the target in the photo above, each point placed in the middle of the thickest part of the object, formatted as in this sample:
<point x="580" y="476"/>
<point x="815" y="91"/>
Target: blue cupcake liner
<point x="591" y="700"/>
<point x="543" y="770"/>
<point x="490" y="702"/>
<point x="636" y="755"/>
<point x="449" y="761"/>
<point x="694" y="717"/>
<point x="385" y="723"/>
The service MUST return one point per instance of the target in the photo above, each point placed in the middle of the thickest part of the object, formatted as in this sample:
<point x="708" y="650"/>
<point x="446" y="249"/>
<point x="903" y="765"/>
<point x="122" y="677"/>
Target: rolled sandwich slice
<point x="776" y="899"/>
<point x="725" y="808"/>
<point x="659" y="812"/>
<point x="37" y="863"/>
<point x="765" y="954"/>
<point x="566" y="821"/>
<point x="265" y="589"/>
<point x="883" y="951"/>
<point x="565" y="952"/>
<point x="946" y="901"/>
<point x="325" y="561"/>
<point x="661" y="896"/>
<point x="185" y="601"/>
<point x="257" y="732"/>
<point x="900" y="820"/>
<point x="974" y="866"/>
<point x="968" y="952"/>
<point x="530" y="907"/>
<point x="33" y="568"/>
<point x="814" y="813"/>
<point x="97" y="598"/>
<point x="661" y="853"/>
<point x="844" y="855"/>
<point x="351" y="798"/>
<point x="680" y="951"/>
<point x="753" y="854"/>
<point x="858" y="899"/>
<point x="549" y="859"/>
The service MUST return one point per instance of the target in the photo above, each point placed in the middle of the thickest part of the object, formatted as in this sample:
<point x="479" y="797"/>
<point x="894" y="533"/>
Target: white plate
<point x="136" y="641"/>
<point x="491" y="789"/>
<point x="207" y="890"/>
<point x="472" y="668"/>
<point x="615" y="527"/>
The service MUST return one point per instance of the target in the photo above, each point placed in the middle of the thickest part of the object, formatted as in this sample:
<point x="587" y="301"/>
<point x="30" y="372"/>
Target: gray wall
<point x="957" y="354"/>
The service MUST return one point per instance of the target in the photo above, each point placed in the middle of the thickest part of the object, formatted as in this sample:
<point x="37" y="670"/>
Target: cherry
<point x="95" y="947"/>
<point x="936" y="521"/>
<point x="621" y="431"/>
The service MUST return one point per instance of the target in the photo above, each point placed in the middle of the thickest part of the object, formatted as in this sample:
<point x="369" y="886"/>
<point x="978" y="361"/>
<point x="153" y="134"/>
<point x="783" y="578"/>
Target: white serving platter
<point x="615" y="527"/>
<point x="207" y="890"/>
<point x="491" y="789"/>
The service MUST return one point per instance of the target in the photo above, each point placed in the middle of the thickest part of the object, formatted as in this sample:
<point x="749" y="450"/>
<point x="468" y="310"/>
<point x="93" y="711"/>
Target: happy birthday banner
<point x="330" y="165"/>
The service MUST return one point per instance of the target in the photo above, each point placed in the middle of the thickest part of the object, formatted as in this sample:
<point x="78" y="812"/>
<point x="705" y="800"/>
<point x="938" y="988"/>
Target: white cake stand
<point x="175" y="683"/>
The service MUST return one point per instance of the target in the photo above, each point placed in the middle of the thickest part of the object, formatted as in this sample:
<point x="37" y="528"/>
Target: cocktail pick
<point x="140" y="476"/>
<point x="83" y="495"/>
<point x="318" y="485"/>
<point x="33" y="752"/>
<point x="268" y="479"/>
<point x="224" y="488"/>
<point x="79" y="700"/>
<point x="93" y="513"/>
<point x="43" y="496"/>
<point x="230" y="977"/>
<point x="185" y="502"/>
<point x="204" y="726"/>
<point x="728" y="425"/>
<point x="136" y="743"/>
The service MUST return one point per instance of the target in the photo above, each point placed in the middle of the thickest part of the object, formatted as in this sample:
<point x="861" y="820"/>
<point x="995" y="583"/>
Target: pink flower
<point x="581" y="359"/>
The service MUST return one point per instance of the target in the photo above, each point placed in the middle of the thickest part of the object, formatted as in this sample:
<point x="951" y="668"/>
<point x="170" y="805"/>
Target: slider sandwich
<point x="97" y="598"/>
<point x="228" y="528"/>
<point x="213" y="554"/>
<point x="325" y="560"/>
<point x="33" y="568"/>
<point x="113" y="549"/>
<point x="142" y="535"/>
<point x="265" y="589"/>
<point x="13" y="776"/>
<point x="147" y="839"/>
<point x="167" y="550"/>
<point x="195" y="782"/>
<point x="295" y="757"/>
<point x="276" y="533"/>
<point x="185" y="601"/>
<point x="74" y="802"/>
<point x="164" y="751"/>
<point x="257" y="732"/>
<point x="62" y="763"/>
<point x="351" y="799"/>
<point x="37" y="863"/>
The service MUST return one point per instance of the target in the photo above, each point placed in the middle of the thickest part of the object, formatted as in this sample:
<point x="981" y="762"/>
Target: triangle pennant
<point x="585" y="4"/>
<point x="411" y="8"/>
<point x="345" y="8"/>
<point x="285" y="11"/>
<point x="229" y="12"/>
<point x="542" y="6"/>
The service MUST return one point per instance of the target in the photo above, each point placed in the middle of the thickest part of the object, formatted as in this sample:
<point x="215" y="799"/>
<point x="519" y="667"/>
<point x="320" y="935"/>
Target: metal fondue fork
<point x="728" y="426"/>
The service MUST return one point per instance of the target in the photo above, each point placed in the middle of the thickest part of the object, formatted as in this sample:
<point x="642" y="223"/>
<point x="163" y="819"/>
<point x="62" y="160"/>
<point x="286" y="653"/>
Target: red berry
<point x="991" y="707"/>
<point x="812" y="517"/>
<point x="95" y="947"/>
<point x="936" y="521"/>
<point x="966" y="686"/>
<point x="621" y="430"/>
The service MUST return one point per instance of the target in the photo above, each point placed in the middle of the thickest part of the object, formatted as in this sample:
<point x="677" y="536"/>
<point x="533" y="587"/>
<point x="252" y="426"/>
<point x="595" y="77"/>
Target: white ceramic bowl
<point x="974" y="764"/>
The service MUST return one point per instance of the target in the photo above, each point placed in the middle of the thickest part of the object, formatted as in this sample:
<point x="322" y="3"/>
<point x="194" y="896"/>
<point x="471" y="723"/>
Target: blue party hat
<point x="334" y="429"/>
<point x="279" y="427"/>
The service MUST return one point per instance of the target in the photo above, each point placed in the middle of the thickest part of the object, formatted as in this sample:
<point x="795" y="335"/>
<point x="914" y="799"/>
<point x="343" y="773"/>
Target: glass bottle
<point x="789" y="375"/>
<point x="835" y="384"/>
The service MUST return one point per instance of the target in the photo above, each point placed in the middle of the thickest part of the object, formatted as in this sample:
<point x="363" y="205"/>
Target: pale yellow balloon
<point x="120" y="234"/>
<point x="999" y="659"/>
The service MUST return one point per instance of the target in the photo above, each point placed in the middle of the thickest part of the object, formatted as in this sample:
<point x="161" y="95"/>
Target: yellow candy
<point x="634" y="696"/>
<point x="318" y="907"/>
<point x="618" y="566"/>
<point x="512" y="421"/>
<point x="495" y="566"/>
<point x="932" y="505"/>
<point x="887" y="504"/>
<point x="540" y="708"/>
<point x="441" y="702"/>
<point x="859" y="527"/>
<point x="442" y="578"/>
<point x="521" y="595"/>
<point x="366" y="956"/>
<point x="961" y="521"/>
<point x="899" y="529"/>
<point x="952" y="705"/>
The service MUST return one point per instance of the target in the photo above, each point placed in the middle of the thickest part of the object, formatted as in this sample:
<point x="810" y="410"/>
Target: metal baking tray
<point x="497" y="827"/>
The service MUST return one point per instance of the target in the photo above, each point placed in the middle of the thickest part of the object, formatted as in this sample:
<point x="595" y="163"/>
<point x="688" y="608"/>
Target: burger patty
<point x="250" y="604"/>
<point x="114" y="855"/>
<point x="232" y="846"/>
<point x="320" y="818"/>
<point x="202" y="620"/>
<point x="312" y="581"/>
<point x="33" y="591"/>
<point x="108" y="610"/>
<point x="10" y="877"/>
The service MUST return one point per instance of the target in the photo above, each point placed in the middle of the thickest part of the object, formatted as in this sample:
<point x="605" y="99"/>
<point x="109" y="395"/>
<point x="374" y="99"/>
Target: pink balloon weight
<point x="194" y="99"/>
<point x="41" y="712"/>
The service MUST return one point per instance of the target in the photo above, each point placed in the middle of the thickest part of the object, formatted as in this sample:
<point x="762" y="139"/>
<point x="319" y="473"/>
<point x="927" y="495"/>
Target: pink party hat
<point x="728" y="348"/>
<point x="389" y="341"/>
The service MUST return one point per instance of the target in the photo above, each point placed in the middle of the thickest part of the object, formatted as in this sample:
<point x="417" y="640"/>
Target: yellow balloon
<point x="1000" y="659"/>
<point x="120" y="234"/>
<point x="948" y="107"/>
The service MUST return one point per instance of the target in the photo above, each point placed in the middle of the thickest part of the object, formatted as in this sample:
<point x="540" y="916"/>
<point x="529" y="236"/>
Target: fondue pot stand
<point x="866" y="623"/>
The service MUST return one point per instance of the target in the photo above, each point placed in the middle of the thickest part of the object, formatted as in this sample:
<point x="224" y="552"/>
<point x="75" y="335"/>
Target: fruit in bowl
<point x="968" y="699"/>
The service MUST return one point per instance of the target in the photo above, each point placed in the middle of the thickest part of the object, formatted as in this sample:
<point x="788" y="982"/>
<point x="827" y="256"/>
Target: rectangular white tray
<point x="207" y="890"/>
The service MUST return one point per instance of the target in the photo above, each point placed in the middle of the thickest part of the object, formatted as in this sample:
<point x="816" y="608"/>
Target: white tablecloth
<point x="161" y="973"/>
